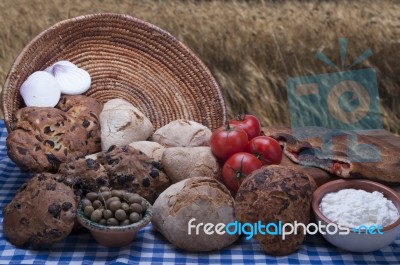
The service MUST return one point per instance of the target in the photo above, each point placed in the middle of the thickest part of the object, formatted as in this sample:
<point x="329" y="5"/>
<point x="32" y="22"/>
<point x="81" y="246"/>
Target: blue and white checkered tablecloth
<point x="151" y="248"/>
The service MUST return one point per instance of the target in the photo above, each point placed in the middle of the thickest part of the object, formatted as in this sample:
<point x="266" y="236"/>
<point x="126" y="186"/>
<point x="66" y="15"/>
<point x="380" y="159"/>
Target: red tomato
<point x="228" y="140"/>
<point x="236" y="169"/>
<point x="249" y="123"/>
<point x="266" y="149"/>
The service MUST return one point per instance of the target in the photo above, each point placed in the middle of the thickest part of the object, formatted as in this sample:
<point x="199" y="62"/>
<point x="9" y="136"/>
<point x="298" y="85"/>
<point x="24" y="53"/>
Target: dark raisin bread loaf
<point x="42" y="138"/>
<point x="85" y="174"/>
<point x="132" y="170"/>
<point x="119" y="168"/>
<point x="272" y="194"/>
<point x="42" y="212"/>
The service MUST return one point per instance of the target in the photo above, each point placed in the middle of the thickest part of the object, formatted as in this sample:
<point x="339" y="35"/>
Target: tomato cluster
<point x="240" y="148"/>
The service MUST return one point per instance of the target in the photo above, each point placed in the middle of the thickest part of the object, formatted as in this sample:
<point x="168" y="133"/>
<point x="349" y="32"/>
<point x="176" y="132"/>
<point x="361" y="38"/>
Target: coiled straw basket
<point x="126" y="58"/>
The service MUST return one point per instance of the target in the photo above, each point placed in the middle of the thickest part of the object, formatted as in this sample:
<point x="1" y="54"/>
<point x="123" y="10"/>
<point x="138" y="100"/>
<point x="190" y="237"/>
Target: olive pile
<point x="113" y="207"/>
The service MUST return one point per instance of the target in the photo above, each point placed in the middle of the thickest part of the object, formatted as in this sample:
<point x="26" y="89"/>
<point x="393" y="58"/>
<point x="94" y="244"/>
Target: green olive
<point x="127" y="195"/>
<point x="92" y="196"/>
<point x="125" y="206"/>
<point x="88" y="210"/>
<point x="112" y="222"/>
<point x="117" y="193"/>
<point x="134" y="217"/>
<point x="135" y="207"/>
<point x="114" y="205"/>
<point x="144" y="205"/>
<point x="135" y="198"/>
<point x="112" y="199"/>
<point x="125" y="222"/>
<point x="85" y="202"/>
<point x="107" y="214"/>
<point x="104" y="188"/>
<point x="120" y="215"/>
<point x="104" y="195"/>
<point x="103" y="222"/>
<point x="97" y="204"/>
<point x="96" y="216"/>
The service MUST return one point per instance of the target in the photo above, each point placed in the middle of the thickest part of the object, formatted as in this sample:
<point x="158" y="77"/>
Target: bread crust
<point x="272" y="194"/>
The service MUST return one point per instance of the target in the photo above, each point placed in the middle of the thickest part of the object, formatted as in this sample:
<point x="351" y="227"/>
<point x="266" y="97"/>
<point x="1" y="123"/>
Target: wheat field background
<point x="251" y="47"/>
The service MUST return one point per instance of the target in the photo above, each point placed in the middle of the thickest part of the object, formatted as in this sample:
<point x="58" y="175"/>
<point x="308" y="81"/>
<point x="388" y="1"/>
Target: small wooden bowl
<point x="114" y="236"/>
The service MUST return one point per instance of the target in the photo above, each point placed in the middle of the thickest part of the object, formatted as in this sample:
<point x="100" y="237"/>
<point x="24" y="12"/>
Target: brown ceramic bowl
<point x="361" y="241"/>
<point x="114" y="236"/>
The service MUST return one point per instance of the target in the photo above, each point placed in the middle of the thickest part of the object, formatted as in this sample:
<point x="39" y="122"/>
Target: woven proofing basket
<point x="126" y="58"/>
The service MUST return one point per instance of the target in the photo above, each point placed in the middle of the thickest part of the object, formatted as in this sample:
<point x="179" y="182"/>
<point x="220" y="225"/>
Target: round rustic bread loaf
<point x="183" y="133"/>
<point x="272" y="194"/>
<point x="122" y="123"/>
<point x="151" y="149"/>
<point x="42" y="212"/>
<point x="187" y="162"/>
<point x="202" y="198"/>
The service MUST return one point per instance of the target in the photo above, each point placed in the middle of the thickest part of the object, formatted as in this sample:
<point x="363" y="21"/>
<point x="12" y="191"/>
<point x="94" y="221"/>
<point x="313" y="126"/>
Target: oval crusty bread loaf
<point x="272" y="194"/>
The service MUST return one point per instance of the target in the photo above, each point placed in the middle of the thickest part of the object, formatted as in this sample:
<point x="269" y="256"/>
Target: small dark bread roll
<point x="86" y="174"/>
<point x="132" y="170"/>
<point x="122" y="167"/>
<point x="42" y="212"/>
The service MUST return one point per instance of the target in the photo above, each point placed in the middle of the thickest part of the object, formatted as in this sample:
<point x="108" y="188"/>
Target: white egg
<point x="72" y="80"/>
<point x="40" y="89"/>
<point x="66" y="63"/>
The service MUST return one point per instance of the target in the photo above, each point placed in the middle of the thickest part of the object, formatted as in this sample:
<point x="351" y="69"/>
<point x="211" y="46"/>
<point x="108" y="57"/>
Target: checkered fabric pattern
<point x="151" y="248"/>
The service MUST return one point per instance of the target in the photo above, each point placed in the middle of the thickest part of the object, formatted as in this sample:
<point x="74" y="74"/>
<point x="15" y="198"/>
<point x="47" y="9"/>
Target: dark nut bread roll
<point x="132" y="170"/>
<point x="42" y="212"/>
<point x="42" y="138"/>
<point x="119" y="168"/>
<point x="272" y="194"/>
<point x="86" y="174"/>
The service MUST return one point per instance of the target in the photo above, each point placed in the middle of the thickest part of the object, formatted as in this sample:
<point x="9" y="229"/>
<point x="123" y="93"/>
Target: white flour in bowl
<point x="353" y="208"/>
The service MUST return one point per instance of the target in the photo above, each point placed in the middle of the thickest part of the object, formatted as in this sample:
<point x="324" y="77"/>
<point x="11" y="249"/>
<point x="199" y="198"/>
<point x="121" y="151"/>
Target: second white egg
<point x="72" y="80"/>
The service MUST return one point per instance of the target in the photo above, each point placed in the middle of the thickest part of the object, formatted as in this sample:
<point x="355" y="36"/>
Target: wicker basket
<point x="126" y="58"/>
